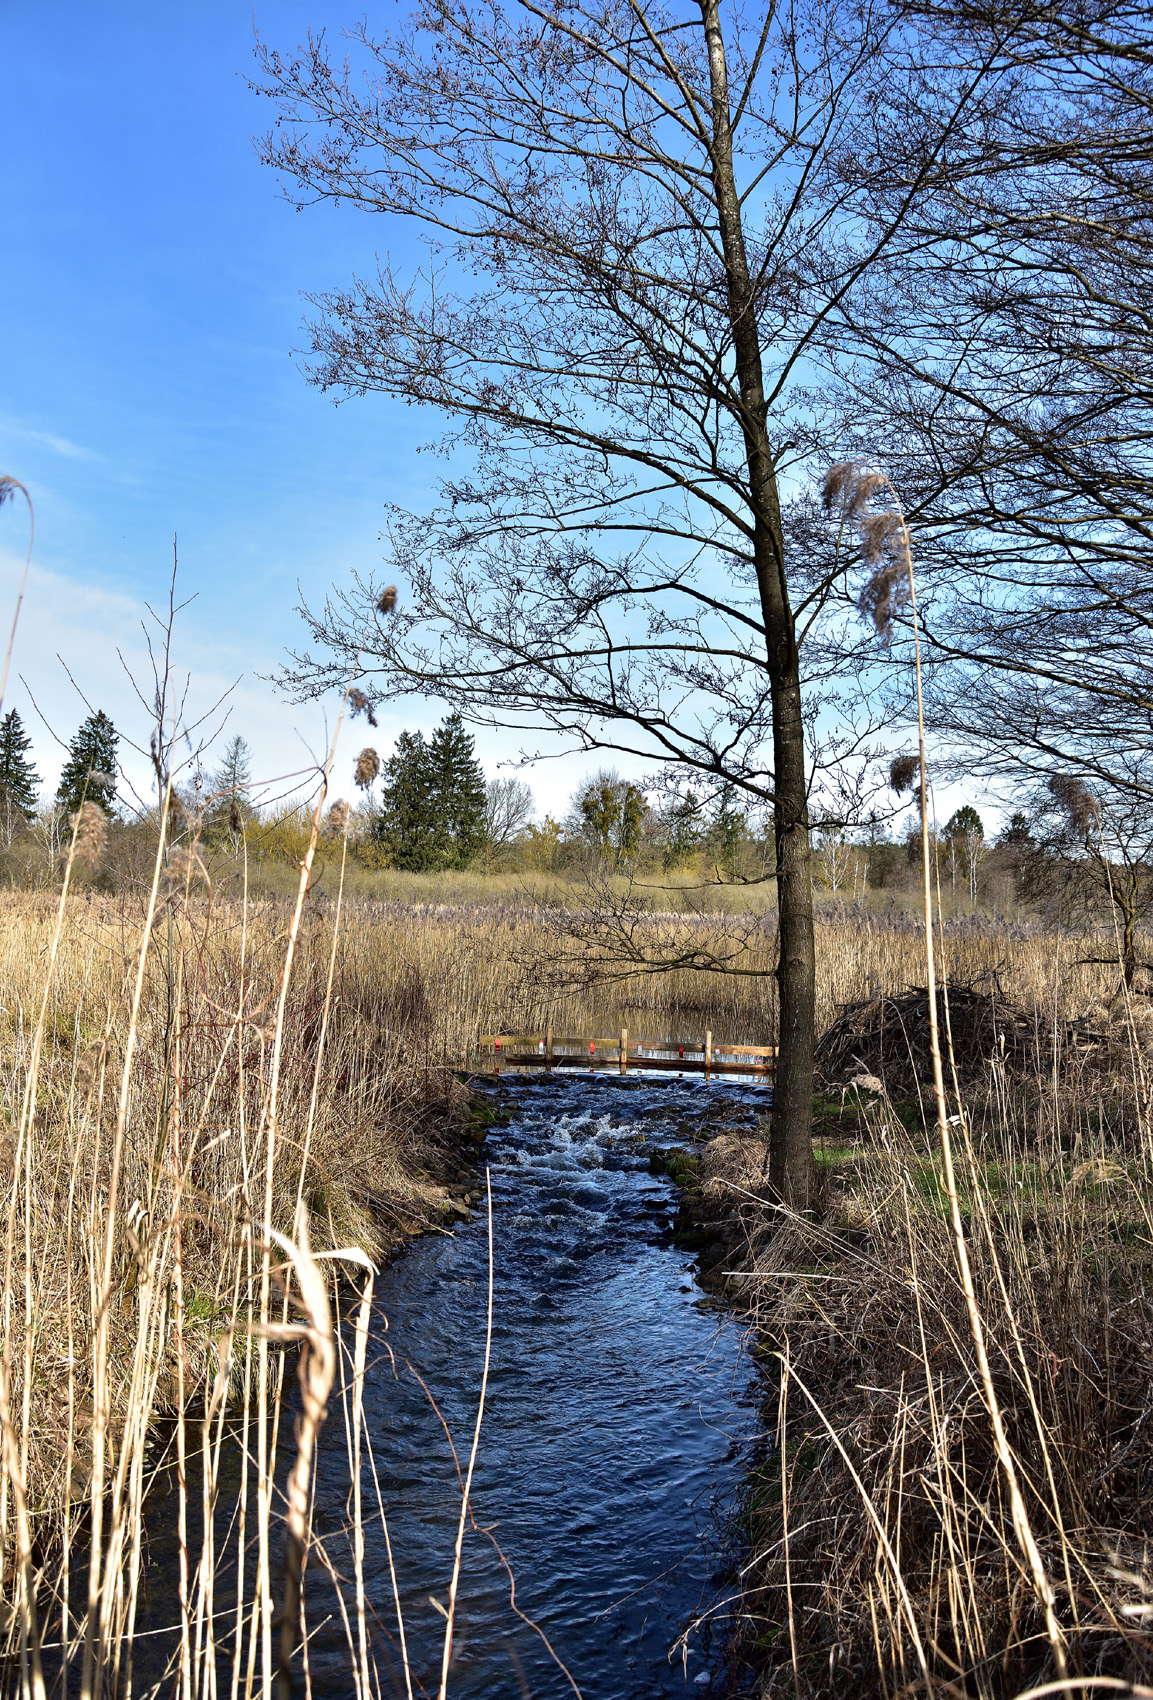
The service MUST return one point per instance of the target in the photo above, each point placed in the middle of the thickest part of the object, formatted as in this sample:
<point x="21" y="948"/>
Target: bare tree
<point x="836" y="856"/>
<point x="1010" y="379"/>
<point x="1089" y="859"/>
<point x="637" y="253"/>
<point x="509" y="808"/>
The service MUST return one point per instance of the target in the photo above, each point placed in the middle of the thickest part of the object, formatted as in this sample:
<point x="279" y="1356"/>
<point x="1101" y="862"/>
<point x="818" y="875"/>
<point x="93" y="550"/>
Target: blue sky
<point x="150" y="290"/>
<point x="151" y="282"/>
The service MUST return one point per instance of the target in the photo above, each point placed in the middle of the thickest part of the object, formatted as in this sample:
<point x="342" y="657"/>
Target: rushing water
<point x="617" y="1399"/>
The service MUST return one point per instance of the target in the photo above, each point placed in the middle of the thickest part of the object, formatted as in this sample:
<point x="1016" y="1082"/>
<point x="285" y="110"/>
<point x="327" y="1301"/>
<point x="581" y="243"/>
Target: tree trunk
<point x="791" y="1143"/>
<point x="1126" y="900"/>
<point x="790" y="1138"/>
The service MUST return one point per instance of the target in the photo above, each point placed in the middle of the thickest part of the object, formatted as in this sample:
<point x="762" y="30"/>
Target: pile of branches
<point x="886" y="1037"/>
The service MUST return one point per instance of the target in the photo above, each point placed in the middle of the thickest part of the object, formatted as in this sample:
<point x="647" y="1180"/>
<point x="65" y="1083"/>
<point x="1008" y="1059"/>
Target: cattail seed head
<point x="386" y="601"/>
<point x="367" y="768"/>
<point x="235" y="818"/>
<point x="90" y="827"/>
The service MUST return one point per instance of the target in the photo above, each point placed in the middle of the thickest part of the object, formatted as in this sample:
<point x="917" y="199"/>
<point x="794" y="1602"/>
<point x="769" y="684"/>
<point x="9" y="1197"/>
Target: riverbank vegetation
<point x="885" y="1551"/>
<point x="163" y="1105"/>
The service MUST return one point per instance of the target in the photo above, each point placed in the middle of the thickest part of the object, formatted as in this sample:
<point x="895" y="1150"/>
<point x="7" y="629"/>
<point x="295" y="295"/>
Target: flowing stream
<point x="618" y="1400"/>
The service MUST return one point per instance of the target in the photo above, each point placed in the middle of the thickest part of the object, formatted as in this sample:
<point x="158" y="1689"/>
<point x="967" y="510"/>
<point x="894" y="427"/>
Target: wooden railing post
<point x="624" y="1050"/>
<point x="548" y="1052"/>
<point x="708" y="1053"/>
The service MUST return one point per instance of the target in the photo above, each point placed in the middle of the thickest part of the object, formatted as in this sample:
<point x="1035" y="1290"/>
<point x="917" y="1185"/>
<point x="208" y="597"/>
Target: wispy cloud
<point x="59" y="445"/>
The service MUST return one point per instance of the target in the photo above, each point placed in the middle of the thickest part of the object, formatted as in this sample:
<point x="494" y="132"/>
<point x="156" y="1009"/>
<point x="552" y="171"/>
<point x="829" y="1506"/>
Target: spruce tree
<point x="89" y="774"/>
<point x="459" y="793"/>
<point x="228" y="788"/>
<point x="728" y="830"/>
<point x="19" y="780"/>
<point x="434" y="800"/>
<point x="407" y="821"/>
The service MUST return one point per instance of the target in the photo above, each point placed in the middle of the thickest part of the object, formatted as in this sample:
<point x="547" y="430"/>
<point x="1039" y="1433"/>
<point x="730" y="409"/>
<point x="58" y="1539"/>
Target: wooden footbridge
<point x="551" y="1050"/>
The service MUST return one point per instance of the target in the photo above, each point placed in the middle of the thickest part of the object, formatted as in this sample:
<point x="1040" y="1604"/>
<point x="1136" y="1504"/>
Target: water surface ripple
<point x="617" y="1396"/>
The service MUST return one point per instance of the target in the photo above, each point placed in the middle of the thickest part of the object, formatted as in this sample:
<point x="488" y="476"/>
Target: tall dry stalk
<point x="887" y="545"/>
<point x="465" y="1506"/>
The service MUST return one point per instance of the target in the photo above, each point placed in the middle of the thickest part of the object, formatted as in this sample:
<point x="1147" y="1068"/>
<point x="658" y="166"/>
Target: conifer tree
<point x="228" y="788"/>
<point x="89" y="774"/>
<point x="434" y="800"/>
<point x="406" y="821"/>
<point x="727" y="831"/>
<point x="459" y="793"/>
<point x="19" y="780"/>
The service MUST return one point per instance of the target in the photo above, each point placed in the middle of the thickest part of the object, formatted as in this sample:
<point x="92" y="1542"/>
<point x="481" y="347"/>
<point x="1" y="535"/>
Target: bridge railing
<point x="550" y="1050"/>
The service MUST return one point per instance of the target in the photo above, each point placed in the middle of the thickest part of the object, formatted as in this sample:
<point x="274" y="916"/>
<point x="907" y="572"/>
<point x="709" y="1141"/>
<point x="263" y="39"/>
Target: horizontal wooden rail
<point x="552" y="1050"/>
<point x="488" y="1041"/>
<point x="607" y="1064"/>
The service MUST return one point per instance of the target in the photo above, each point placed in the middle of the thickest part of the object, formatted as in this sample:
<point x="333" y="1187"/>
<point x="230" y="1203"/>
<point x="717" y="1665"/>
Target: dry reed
<point x="140" y="1040"/>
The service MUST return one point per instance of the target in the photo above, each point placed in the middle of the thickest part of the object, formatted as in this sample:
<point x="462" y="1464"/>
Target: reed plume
<point x="90" y="830"/>
<point x="903" y="772"/>
<point x="884" y="541"/>
<point x="336" y="822"/>
<point x="1074" y="797"/>
<point x="359" y="703"/>
<point x="367" y="767"/>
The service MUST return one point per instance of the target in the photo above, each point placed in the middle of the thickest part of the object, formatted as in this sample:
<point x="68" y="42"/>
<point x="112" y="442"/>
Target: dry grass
<point x="889" y="1525"/>
<point x="884" y="1555"/>
<point x="174" y="1102"/>
<point x="175" y="1099"/>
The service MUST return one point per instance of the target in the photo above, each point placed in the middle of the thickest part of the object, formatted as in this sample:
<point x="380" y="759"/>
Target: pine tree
<point x="406" y="822"/>
<point x="459" y="793"/>
<point x="89" y="774"/>
<point x="19" y="780"/>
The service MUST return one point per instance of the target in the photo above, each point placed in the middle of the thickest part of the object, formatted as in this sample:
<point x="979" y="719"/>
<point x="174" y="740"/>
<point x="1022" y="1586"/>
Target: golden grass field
<point x="175" y="1097"/>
